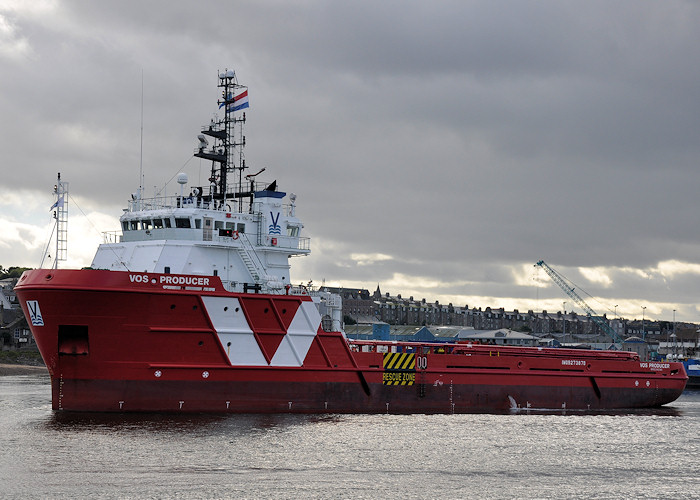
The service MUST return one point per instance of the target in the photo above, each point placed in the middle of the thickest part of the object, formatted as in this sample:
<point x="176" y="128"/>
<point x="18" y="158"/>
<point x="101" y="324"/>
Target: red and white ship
<point x="190" y="309"/>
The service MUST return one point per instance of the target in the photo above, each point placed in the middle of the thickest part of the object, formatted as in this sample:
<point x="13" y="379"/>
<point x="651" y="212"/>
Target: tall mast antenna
<point x="233" y="98"/>
<point x="61" y="215"/>
<point x="141" y="152"/>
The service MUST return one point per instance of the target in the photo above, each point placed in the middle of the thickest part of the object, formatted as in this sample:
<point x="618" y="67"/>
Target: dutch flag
<point x="238" y="102"/>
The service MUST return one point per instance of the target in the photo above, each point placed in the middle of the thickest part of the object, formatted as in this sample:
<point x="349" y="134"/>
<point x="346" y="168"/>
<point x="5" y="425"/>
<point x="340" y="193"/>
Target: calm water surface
<point x="644" y="454"/>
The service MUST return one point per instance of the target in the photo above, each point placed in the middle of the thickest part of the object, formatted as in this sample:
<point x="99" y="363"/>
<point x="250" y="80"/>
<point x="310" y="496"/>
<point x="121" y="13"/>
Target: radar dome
<point x="182" y="178"/>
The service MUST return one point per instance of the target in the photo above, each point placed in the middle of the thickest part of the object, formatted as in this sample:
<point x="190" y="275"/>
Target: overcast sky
<point x="437" y="149"/>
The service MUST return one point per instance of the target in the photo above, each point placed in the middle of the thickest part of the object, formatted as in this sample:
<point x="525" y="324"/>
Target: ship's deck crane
<point x="564" y="285"/>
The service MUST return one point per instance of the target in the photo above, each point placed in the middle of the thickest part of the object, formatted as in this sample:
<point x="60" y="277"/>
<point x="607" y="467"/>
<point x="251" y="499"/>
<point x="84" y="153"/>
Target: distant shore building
<point x="14" y="331"/>
<point x="363" y="307"/>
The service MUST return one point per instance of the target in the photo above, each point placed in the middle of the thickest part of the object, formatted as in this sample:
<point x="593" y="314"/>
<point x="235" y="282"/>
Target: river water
<point x="578" y="455"/>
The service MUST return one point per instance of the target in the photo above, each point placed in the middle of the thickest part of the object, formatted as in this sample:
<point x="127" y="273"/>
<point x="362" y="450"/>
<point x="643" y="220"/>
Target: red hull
<point x="338" y="397"/>
<point x="114" y="343"/>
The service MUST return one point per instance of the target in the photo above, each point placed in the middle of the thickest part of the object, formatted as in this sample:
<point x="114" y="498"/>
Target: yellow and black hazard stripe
<point x="399" y="368"/>
<point x="399" y="361"/>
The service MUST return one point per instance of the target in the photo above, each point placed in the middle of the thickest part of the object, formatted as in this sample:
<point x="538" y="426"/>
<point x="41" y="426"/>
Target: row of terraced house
<point x="362" y="306"/>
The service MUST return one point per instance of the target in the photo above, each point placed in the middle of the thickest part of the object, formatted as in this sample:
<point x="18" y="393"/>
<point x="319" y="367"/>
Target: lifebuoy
<point x="234" y="235"/>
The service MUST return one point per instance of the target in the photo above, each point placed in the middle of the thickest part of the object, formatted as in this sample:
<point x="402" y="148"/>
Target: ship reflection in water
<point x="646" y="453"/>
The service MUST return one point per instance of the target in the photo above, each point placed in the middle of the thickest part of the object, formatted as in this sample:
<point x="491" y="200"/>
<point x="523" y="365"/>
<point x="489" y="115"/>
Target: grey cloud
<point x="460" y="137"/>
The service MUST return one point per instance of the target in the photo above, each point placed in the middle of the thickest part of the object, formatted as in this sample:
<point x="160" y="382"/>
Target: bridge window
<point x="167" y="222"/>
<point x="134" y="225"/>
<point x="125" y="225"/>
<point x="218" y="224"/>
<point x="182" y="222"/>
<point x="157" y="223"/>
<point x="146" y="224"/>
<point x="198" y="223"/>
<point x="292" y="231"/>
<point x="241" y="227"/>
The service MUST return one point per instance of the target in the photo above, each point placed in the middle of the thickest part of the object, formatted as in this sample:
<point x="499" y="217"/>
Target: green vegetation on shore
<point x="29" y="357"/>
<point x="12" y="272"/>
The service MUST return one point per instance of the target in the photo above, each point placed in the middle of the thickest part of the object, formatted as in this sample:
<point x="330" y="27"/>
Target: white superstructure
<point x="195" y="234"/>
<point x="244" y="232"/>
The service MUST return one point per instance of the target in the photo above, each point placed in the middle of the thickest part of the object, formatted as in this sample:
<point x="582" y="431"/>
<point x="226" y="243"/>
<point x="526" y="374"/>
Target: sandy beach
<point x="6" y="369"/>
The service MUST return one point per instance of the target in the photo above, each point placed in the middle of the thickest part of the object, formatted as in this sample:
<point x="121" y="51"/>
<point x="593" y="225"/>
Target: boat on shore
<point x="191" y="309"/>
<point x="692" y="369"/>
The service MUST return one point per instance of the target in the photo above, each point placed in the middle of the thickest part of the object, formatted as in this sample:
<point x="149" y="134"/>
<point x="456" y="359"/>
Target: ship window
<point x="167" y="222"/>
<point x="166" y="270"/>
<point x="218" y="224"/>
<point x="198" y="223"/>
<point x="216" y="272"/>
<point x="241" y="227"/>
<point x="157" y="223"/>
<point x="292" y="231"/>
<point x="125" y="225"/>
<point x="231" y="225"/>
<point x="182" y="222"/>
<point x="134" y="225"/>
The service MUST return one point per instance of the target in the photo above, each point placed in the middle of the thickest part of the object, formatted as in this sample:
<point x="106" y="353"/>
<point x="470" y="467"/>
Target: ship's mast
<point x="223" y="154"/>
<point x="61" y="215"/>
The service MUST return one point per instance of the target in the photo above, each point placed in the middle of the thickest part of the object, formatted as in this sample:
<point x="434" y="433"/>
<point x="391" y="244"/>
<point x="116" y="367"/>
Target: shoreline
<point x="11" y="369"/>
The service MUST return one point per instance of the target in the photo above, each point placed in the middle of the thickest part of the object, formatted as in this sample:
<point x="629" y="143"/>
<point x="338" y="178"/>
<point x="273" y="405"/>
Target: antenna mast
<point x="61" y="215"/>
<point x="233" y="95"/>
<point x="141" y="152"/>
